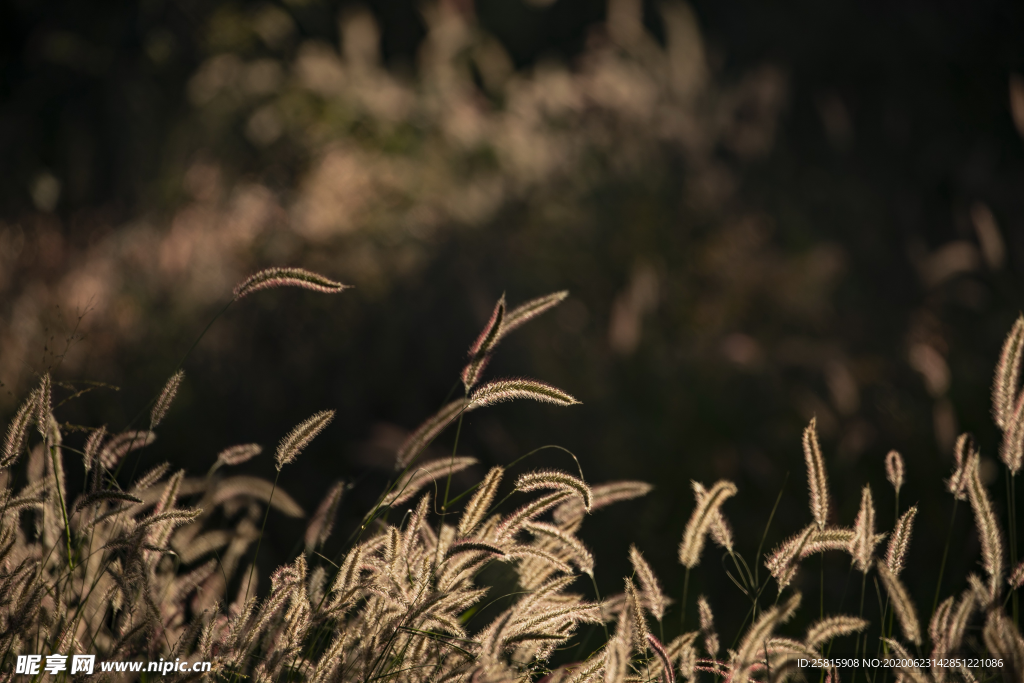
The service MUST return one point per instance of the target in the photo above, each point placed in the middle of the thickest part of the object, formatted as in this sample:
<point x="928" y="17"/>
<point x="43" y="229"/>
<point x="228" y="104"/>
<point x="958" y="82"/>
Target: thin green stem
<point x="63" y="508"/>
<point x="597" y="595"/>
<point x="259" y="540"/>
<point x="682" y="605"/>
<point x="1011" y="494"/>
<point x="945" y="555"/>
<point x="821" y="587"/>
<point x="860" y="615"/>
<point x="764" y="535"/>
<point x="455" y="448"/>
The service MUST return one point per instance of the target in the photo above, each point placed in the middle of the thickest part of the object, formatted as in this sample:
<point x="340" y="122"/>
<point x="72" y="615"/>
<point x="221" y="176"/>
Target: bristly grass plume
<point x="156" y="568"/>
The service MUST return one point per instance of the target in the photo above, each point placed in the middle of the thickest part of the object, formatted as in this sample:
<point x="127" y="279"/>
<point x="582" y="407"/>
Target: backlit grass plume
<point x="894" y="470"/>
<point x="703" y="517"/>
<point x="502" y="390"/>
<point x="1006" y="384"/>
<point x="287" y="277"/>
<point x="479" y="352"/>
<point x="159" y="567"/>
<point x="863" y="544"/>
<point x="163" y="401"/>
<point x="501" y="322"/>
<point x="300" y="437"/>
<point x="817" y="478"/>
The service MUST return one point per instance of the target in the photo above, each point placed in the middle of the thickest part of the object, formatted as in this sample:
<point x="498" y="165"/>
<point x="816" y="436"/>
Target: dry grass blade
<point x="904" y="608"/>
<point x="554" y="480"/>
<point x="828" y="628"/>
<point x="163" y="401"/>
<point x="900" y="541"/>
<point x="502" y="390"/>
<point x="287" y="277"/>
<point x="700" y="521"/>
<point x="894" y="469"/>
<point x="322" y="522"/>
<point x="429" y="430"/>
<point x="649" y="586"/>
<point x="300" y="437"/>
<point x="1007" y="376"/>
<point x="817" y="478"/>
<point x="476" y="508"/>
<point x="863" y="546"/>
<point x="412" y="481"/>
<point x="988" y="530"/>
<point x="236" y="455"/>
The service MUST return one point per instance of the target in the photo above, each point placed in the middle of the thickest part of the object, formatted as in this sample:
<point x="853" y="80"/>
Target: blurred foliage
<point x="763" y="214"/>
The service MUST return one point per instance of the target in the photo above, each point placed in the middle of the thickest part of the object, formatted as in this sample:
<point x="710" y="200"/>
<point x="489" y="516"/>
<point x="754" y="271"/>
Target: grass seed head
<point x="477" y="507"/>
<point x="965" y="454"/>
<point x="899" y="541"/>
<point x="322" y="523"/>
<point x="1007" y="376"/>
<point x="863" y="545"/>
<point x="700" y="521"/>
<point x="649" y="586"/>
<point x="287" y="277"/>
<point x="555" y="480"/>
<point x="988" y="530"/>
<point x="836" y="626"/>
<point x="299" y="438"/>
<point x="707" y="627"/>
<point x="902" y="605"/>
<point x="637" y="618"/>
<point x="163" y="401"/>
<point x="14" y="441"/>
<point x="1011" y="450"/>
<point x="502" y="390"/>
<point x="530" y="310"/>
<point x="894" y="469"/>
<point x="236" y="455"/>
<point x="817" y="478"/>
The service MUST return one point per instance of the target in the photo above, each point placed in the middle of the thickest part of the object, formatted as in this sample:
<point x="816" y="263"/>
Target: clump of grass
<point x="143" y="571"/>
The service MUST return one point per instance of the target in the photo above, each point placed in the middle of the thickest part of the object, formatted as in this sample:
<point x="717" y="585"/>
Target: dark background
<point x="851" y="242"/>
